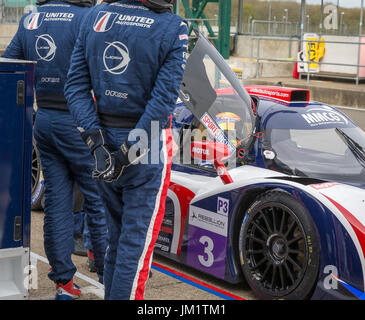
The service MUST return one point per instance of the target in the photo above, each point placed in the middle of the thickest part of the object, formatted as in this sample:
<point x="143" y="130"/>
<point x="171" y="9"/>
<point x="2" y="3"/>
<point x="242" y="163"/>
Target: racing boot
<point x="68" y="291"/>
<point x="90" y="261"/>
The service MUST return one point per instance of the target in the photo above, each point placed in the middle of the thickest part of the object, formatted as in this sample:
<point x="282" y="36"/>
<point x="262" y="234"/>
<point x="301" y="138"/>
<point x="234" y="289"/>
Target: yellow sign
<point x="314" y="51"/>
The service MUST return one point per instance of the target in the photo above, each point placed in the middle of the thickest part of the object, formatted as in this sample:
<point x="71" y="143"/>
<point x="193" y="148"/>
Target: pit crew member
<point x="47" y="36"/>
<point x="132" y="54"/>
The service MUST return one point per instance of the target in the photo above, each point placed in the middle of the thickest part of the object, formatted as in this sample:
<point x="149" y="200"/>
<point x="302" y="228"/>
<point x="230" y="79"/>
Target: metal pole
<point x="270" y="16"/>
<point x="360" y="41"/>
<point x="286" y="20"/>
<point x="258" y="59"/>
<point x="240" y="17"/>
<point x="321" y="20"/>
<point x="341" y="22"/>
<point x="302" y="18"/>
<point x="178" y="7"/>
<point x="308" y="61"/>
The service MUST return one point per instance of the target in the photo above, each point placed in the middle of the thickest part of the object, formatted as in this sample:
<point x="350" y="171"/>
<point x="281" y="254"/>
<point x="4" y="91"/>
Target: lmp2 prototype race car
<point x="267" y="187"/>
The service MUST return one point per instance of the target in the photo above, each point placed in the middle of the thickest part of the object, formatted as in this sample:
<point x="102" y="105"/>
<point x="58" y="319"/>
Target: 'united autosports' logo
<point x="45" y="47"/>
<point x="104" y="21"/>
<point x="33" y="21"/>
<point x="116" y="57"/>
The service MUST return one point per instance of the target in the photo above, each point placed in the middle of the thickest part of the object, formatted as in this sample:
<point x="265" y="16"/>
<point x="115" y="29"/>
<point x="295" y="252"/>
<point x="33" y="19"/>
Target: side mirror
<point x="214" y="152"/>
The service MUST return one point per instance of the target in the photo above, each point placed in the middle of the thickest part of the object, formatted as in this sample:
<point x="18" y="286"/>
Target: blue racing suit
<point x="133" y="59"/>
<point x="48" y="36"/>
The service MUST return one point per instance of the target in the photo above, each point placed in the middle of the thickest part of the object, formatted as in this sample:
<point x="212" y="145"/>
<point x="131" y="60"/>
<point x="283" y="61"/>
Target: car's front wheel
<point x="278" y="247"/>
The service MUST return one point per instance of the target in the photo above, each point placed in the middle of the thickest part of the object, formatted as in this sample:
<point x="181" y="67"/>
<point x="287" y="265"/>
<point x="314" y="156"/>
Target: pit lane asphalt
<point x="159" y="287"/>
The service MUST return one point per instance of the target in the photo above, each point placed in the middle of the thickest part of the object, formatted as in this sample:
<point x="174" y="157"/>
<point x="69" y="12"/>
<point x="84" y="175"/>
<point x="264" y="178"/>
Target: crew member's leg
<point x="144" y="190"/>
<point x="81" y="162"/>
<point x="58" y="218"/>
<point x="113" y="211"/>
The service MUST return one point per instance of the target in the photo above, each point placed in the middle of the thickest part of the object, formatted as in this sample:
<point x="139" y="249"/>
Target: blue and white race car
<point x="267" y="187"/>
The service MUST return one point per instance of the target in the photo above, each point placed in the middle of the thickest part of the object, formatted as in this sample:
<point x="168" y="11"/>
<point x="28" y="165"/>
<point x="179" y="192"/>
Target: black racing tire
<point x="279" y="248"/>
<point x="37" y="180"/>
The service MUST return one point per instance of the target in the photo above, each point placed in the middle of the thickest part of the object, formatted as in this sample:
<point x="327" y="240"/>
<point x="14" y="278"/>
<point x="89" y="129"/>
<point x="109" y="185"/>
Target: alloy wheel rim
<point x="276" y="250"/>
<point x="35" y="169"/>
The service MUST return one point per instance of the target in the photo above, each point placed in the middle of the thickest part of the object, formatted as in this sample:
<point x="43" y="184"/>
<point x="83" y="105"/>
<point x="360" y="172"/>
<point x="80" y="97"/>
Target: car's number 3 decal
<point x="207" y="259"/>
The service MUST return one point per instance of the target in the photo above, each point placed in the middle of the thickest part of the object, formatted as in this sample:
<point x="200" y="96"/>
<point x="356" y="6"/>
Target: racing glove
<point x="122" y="159"/>
<point x="100" y="151"/>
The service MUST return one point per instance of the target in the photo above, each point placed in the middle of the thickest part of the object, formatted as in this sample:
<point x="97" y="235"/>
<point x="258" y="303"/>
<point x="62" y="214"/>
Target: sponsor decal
<point x="183" y="37"/>
<point x="33" y="21"/>
<point x="45" y="47"/>
<point x="270" y="155"/>
<point x="208" y="220"/>
<point x="116" y="57"/>
<point x="104" y="21"/>
<point x="323" y="116"/>
<point x="137" y="21"/>
<point x="325" y="185"/>
<point x="162" y="247"/>
<point x="121" y="95"/>
<point x="270" y="93"/>
<point x="65" y="15"/>
<point x="200" y="151"/>
<point x="58" y="16"/>
<point x="216" y="132"/>
<point x="222" y="206"/>
<point x="50" y="80"/>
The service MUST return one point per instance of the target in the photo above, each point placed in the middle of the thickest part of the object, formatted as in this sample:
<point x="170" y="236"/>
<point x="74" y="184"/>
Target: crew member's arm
<point x="166" y="88"/>
<point x="163" y="96"/>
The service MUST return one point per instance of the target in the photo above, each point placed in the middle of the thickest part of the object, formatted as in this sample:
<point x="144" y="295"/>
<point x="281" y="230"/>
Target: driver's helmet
<point x="229" y="123"/>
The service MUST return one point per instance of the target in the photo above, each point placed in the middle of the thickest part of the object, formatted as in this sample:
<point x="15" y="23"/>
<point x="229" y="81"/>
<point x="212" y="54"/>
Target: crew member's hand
<point x="122" y="159"/>
<point x="100" y="151"/>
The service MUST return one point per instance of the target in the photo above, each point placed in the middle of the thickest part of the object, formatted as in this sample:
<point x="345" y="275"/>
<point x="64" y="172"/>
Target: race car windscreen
<point x="215" y="96"/>
<point x="323" y="145"/>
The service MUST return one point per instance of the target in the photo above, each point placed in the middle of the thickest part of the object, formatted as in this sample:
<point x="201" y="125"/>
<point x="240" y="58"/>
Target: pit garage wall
<point x="343" y="53"/>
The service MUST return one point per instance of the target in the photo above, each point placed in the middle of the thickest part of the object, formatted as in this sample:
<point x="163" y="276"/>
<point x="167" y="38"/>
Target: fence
<point x="258" y="58"/>
<point x="264" y="27"/>
<point x="10" y="13"/>
<point x="12" y="10"/>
